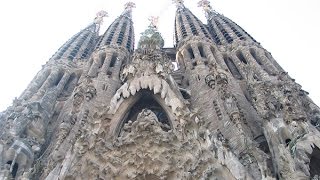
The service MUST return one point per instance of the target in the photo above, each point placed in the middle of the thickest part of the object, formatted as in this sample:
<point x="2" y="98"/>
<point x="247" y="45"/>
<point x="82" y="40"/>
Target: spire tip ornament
<point x="99" y="16"/>
<point x="179" y="3"/>
<point x="129" y="6"/>
<point x="205" y="4"/>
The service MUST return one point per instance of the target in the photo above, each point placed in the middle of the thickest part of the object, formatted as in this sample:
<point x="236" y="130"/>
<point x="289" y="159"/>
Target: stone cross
<point x="99" y="17"/>
<point x="154" y="21"/>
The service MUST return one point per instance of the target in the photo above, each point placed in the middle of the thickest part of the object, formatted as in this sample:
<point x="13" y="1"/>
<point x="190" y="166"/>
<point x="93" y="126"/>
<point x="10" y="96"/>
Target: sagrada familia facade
<point x="102" y="109"/>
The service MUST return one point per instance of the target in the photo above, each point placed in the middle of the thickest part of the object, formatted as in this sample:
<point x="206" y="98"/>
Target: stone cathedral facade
<point x="102" y="109"/>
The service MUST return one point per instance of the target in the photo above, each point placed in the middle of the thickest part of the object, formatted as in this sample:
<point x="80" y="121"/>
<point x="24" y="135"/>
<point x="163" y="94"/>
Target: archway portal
<point x="315" y="162"/>
<point x="147" y="101"/>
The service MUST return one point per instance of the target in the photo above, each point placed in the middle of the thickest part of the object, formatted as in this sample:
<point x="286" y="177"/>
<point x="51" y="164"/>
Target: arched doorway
<point x="315" y="162"/>
<point x="146" y="100"/>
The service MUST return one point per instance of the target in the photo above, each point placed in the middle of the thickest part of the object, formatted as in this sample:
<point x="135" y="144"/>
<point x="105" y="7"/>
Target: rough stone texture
<point x="228" y="112"/>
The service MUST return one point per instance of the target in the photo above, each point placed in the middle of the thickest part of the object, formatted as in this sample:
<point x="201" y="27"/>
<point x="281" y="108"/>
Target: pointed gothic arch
<point x="145" y="100"/>
<point x="132" y="106"/>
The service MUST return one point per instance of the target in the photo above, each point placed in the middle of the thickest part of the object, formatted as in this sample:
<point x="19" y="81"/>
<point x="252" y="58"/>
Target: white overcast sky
<point x="32" y="30"/>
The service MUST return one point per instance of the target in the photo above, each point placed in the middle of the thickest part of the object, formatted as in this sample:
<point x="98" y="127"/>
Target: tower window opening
<point x="243" y="30"/>
<point x="224" y="32"/>
<point x="110" y="36"/>
<point x="122" y="32"/>
<point x="202" y="54"/>
<point x="233" y="68"/>
<point x="190" y="51"/>
<point x="88" y="47"/>
<point x="202" y="28"/>
<point x="192" y="26"/>
<point x="241" y="57"/>
<point x="66" y="46"/>
<point x="182" y="28"/>
<point x="233" y="29"/>
<point x="129" y="39"/>
<point x="214" y="34"/>
<point x="14" y="169"/>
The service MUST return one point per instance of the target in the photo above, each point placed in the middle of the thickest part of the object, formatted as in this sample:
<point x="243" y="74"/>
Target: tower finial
<point x="205" y="4"/>
<point x="129" y="6"/>
<point x="99" y="17"/>
<point x="154" y="21"/>
<point x="179" y="3"/>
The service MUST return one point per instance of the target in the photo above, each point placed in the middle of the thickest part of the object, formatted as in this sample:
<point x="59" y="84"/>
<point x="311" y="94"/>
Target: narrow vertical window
<point x="101" y="62"/>
<point x="190" y="51"/>
<point x="59" y="77"/>
<point x="254" y="55"/>
<point x="113" y="60"/>
<point x="14" y="169"/>
<point x="202" y="54"/>
<point x="241" y="57"/>
<point x="233" y="68"/>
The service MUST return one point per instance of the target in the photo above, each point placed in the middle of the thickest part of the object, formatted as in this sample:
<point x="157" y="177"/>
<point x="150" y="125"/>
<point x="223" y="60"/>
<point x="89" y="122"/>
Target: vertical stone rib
<point x="63" y="82"/>
<point x="265" y="61"/>
<point x="257" y="68"/>
<point x="48" y="83"/>
<point x="35" y="84"/>
<point x="117" y="67"/>
<point x="239" y="65"/>
<point x="96" y="65"/>
<point x="106" y="64"/>
<point x="195" y="50"/>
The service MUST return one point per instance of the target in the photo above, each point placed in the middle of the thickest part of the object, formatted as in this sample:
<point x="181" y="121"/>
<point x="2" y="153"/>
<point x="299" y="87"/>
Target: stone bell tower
<point x="101" y="109"/>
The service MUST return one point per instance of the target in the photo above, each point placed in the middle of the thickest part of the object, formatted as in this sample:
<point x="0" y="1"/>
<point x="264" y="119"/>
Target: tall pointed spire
<point x="187" y="24"/>
<point x="81" y="44"/>
<point x="120" y="32"/>
<point x="128" y="8"/>
<point x="223" y="30"/>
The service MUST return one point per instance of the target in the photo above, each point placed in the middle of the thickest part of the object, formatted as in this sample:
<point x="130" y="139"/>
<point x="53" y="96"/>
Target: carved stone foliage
<point x="210" y="81"/>
<point x="230" y="101"/>
<point x="27" y="122"/>
<point x="144" y="150"/>
<point x="85" y="90"/>
<point x="279" y="98"/>
<point x="147" y="62"/>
